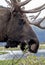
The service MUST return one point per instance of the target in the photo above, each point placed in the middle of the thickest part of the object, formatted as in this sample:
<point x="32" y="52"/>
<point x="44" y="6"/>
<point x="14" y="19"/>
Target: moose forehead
<point x="19" y="17"/>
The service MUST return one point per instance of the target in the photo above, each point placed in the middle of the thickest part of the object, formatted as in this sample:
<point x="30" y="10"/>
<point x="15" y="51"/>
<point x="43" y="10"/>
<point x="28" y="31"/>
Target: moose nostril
<point x="31" y="42"/>
<point x="33" y="45"/>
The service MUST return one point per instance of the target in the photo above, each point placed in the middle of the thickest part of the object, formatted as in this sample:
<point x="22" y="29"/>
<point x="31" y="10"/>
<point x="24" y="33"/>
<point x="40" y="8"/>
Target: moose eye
<point x="21" y="22"/>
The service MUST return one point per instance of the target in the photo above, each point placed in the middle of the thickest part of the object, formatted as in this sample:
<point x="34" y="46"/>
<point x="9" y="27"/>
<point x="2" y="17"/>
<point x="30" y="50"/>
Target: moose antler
<point x="38" y="23"/>
<point x="8" y="2"/>
<point x="17" y="4"/>
<point x="23" y="3"/>
<point x="18" y="1"/>
<point x="35" y="10"/>
<point x="35" y="17"/>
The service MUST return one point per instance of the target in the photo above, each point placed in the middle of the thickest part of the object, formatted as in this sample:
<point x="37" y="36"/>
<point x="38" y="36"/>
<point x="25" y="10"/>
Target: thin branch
<point x="38" y="24"/>
<point x="35" y="9"/>
<point x="23" y="3"/>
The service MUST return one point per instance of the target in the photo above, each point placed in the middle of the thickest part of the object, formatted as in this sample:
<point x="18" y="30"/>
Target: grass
<point x="42" y="46"/>
<point x="30" y="60"/>
<point x="3" y="53"/>
<point x="3" y="48"/>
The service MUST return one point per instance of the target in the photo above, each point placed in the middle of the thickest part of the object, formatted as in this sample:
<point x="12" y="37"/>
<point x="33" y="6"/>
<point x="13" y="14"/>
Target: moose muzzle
<point x="33" y="45"/>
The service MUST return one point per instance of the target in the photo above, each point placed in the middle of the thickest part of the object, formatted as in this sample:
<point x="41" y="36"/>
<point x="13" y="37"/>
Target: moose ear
<point x="33" y="46"/>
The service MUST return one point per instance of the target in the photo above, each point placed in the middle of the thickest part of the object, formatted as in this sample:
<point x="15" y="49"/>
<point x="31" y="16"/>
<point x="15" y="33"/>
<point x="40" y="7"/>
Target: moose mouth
<point x="33" y="45"/>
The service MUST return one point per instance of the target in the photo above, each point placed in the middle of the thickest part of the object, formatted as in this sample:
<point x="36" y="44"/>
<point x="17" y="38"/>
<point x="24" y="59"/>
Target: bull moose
<point x="15" y="27"/>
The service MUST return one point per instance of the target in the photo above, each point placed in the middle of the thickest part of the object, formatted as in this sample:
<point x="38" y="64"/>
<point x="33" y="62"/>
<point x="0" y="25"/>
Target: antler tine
<point x="35" y="17"/>
<point x="13" y="2"/>
<point x="38" y="23"/>
<point x="8" y="2"/>
<point x="35" y="9"/>
<point x="23" y="3"/>
<point x="41" y="21"/>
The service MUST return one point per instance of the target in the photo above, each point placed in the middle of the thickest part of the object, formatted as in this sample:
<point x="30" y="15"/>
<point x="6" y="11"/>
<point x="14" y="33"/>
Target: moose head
<point x="15" y="27"/>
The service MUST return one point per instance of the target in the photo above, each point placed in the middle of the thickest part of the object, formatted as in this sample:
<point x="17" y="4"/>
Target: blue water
<point x="3" y="43"/>
<point x="40" y="33"/>
<point x="40" y="54"/>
